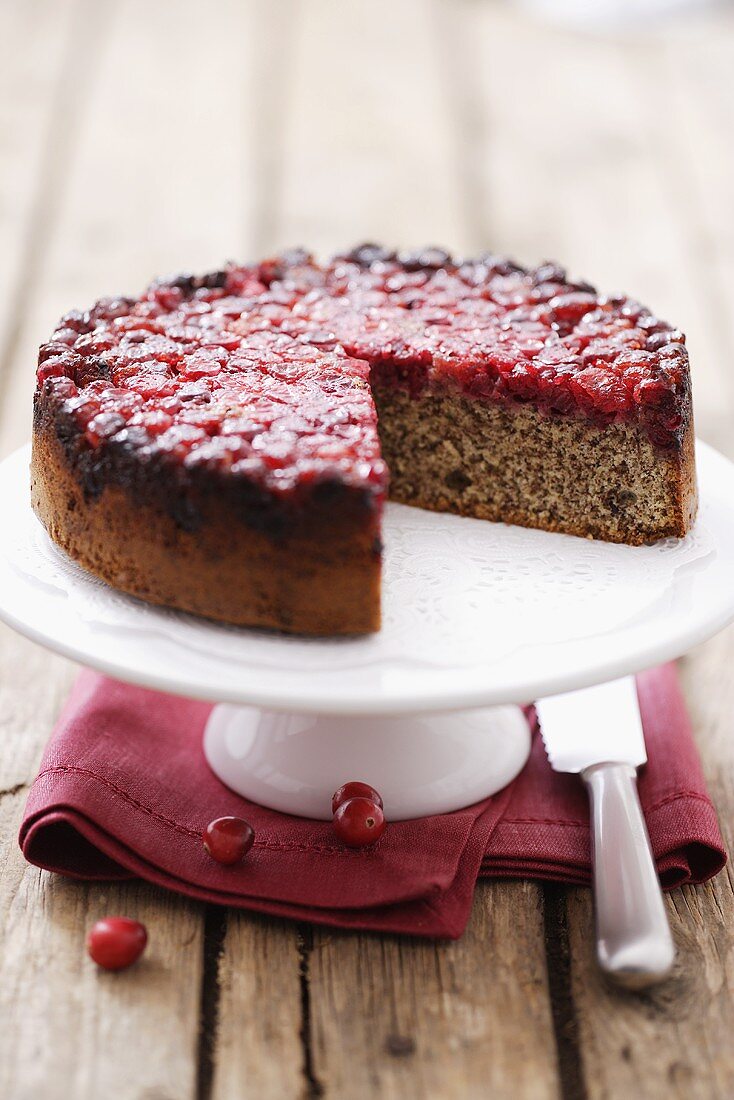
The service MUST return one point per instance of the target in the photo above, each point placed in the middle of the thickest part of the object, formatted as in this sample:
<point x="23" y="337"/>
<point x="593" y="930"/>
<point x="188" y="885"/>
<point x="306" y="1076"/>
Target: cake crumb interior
<point x="451" y="453"/>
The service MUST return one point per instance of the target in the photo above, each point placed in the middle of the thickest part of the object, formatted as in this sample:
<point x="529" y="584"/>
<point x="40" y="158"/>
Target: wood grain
<point x="260" y="1050"/>
<point x="422" y="1019"/>
<point x="33" y="132"/>
<point x="74" y="1027"/>
<point x="367" y="149"/>
<point x="126" y="208"/>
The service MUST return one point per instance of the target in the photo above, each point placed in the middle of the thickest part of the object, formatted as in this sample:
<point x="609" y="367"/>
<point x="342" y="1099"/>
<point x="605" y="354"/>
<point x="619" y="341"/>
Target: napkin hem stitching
<point x="271" y="845"/>
<point x="585" y="824"/>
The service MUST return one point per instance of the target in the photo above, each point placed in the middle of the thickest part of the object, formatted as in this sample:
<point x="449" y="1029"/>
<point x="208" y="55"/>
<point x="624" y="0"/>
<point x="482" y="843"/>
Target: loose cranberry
<point x="355" y="789"/>
<point x="116" y="942"/>
<point x="359" y="822"/>
<point x="228" y="839"/>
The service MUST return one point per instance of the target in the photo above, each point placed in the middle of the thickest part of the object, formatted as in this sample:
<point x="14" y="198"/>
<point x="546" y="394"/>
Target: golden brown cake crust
<point x="446" y="453"/>
<point x="322" y="580"/>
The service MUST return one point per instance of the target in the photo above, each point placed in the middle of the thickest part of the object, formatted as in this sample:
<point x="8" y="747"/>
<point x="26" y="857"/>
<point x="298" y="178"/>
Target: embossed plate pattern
<point x="474" y="613"/>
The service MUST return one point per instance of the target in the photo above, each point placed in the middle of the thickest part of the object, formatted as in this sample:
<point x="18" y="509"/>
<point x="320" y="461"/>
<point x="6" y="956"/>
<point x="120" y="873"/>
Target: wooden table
<point x="138" y="137"/>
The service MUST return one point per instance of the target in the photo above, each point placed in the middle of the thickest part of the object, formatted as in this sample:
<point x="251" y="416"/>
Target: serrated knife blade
<point x="597" y="733"/>
<point x="598" y="724"/>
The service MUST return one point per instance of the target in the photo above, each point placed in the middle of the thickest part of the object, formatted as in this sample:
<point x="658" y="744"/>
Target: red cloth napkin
<point x="124" y="790"/>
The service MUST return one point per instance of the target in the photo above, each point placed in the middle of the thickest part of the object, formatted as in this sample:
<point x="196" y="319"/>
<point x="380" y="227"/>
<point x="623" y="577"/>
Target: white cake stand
<point x="478" y="617"/>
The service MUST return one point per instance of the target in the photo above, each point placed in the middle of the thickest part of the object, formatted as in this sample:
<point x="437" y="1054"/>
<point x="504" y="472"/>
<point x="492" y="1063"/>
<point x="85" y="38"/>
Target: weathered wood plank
<point x="675" y="1039"/>
<point x="394" y="1018"/>
<point x="259" y="1049"/>
<point x="37" y="101"/>
<point x="591" y="117"/>
<point x="74" y="1028"/>
<point x="367" y="150"/>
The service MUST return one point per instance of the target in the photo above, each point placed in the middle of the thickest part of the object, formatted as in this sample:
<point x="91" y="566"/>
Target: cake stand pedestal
<point x="421" y="764"/>
<point x="478" y="618"/>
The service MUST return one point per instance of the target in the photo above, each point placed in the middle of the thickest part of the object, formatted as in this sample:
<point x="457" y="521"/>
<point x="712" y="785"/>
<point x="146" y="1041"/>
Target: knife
<point x="597" y="733"/>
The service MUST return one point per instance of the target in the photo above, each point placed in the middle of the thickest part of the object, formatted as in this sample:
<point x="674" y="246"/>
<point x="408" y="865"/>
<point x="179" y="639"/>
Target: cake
<point x="224" y="444"/>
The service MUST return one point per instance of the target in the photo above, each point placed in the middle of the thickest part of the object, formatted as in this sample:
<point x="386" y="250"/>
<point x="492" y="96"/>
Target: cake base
<point x="317" y="571"/>
<point x="321" y="579"/>
<point x="421" y="764"/>
<point x="512" y="463"/>
<point x="507" y="619"/>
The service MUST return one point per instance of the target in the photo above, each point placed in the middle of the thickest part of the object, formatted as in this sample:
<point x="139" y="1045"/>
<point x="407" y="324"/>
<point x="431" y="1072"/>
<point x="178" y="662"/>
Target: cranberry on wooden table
<point x="116" y="942"/>
<point x="354" y="790"/>
<point x="359" y="822"/>
<point x="228" y="839"/>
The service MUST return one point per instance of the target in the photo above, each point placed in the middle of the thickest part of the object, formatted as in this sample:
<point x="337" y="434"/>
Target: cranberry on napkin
<point x="124" y="790"/>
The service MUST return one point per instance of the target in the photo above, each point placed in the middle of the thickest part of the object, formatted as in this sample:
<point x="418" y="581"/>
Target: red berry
<point x="572" y="307"/>
<point x="358" y="822"/>
<point x="104" y="425"/>
<point x="116" y="942"/>
<point x="55" y="367"/>
<point x="354" y="790"/>
<point x="228" y="839"/>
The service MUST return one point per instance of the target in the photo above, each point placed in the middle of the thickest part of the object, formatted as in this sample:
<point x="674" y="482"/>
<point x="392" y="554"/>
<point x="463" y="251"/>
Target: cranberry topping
<point x="264" y="370"/>
<point x="116" y="942"/>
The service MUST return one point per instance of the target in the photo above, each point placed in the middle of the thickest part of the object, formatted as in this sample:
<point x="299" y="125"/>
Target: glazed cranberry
<point x="67" y="336"/>
<point x="290" y="336"/>
<point x="116" y="942"/>
<point x="83" y="408"/>
<point x="50" y="350"/>
<point x="93" y="344"/>
<point x="358" y="822"/>
<point x="572" y="307"/>
<point x="107" y="309"/>
<point x="228" y="340"/>
<point x="228" y="839"/>
<point x="104" y="425"/>
<point x="169" y="297"/>
<point x="62" y="387"/>
<point x="354" y="789"/>
<point x="156" y="421"/>
<point x="76" y="321"/>
<point x="55" y="367"/>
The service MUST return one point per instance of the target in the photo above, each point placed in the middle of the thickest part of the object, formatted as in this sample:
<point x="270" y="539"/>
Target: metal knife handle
<point x="633" y="941"/>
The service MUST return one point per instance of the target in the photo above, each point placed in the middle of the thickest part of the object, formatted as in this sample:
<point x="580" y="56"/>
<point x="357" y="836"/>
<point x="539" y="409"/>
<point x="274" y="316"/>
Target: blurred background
<point x="140" y="137"/>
